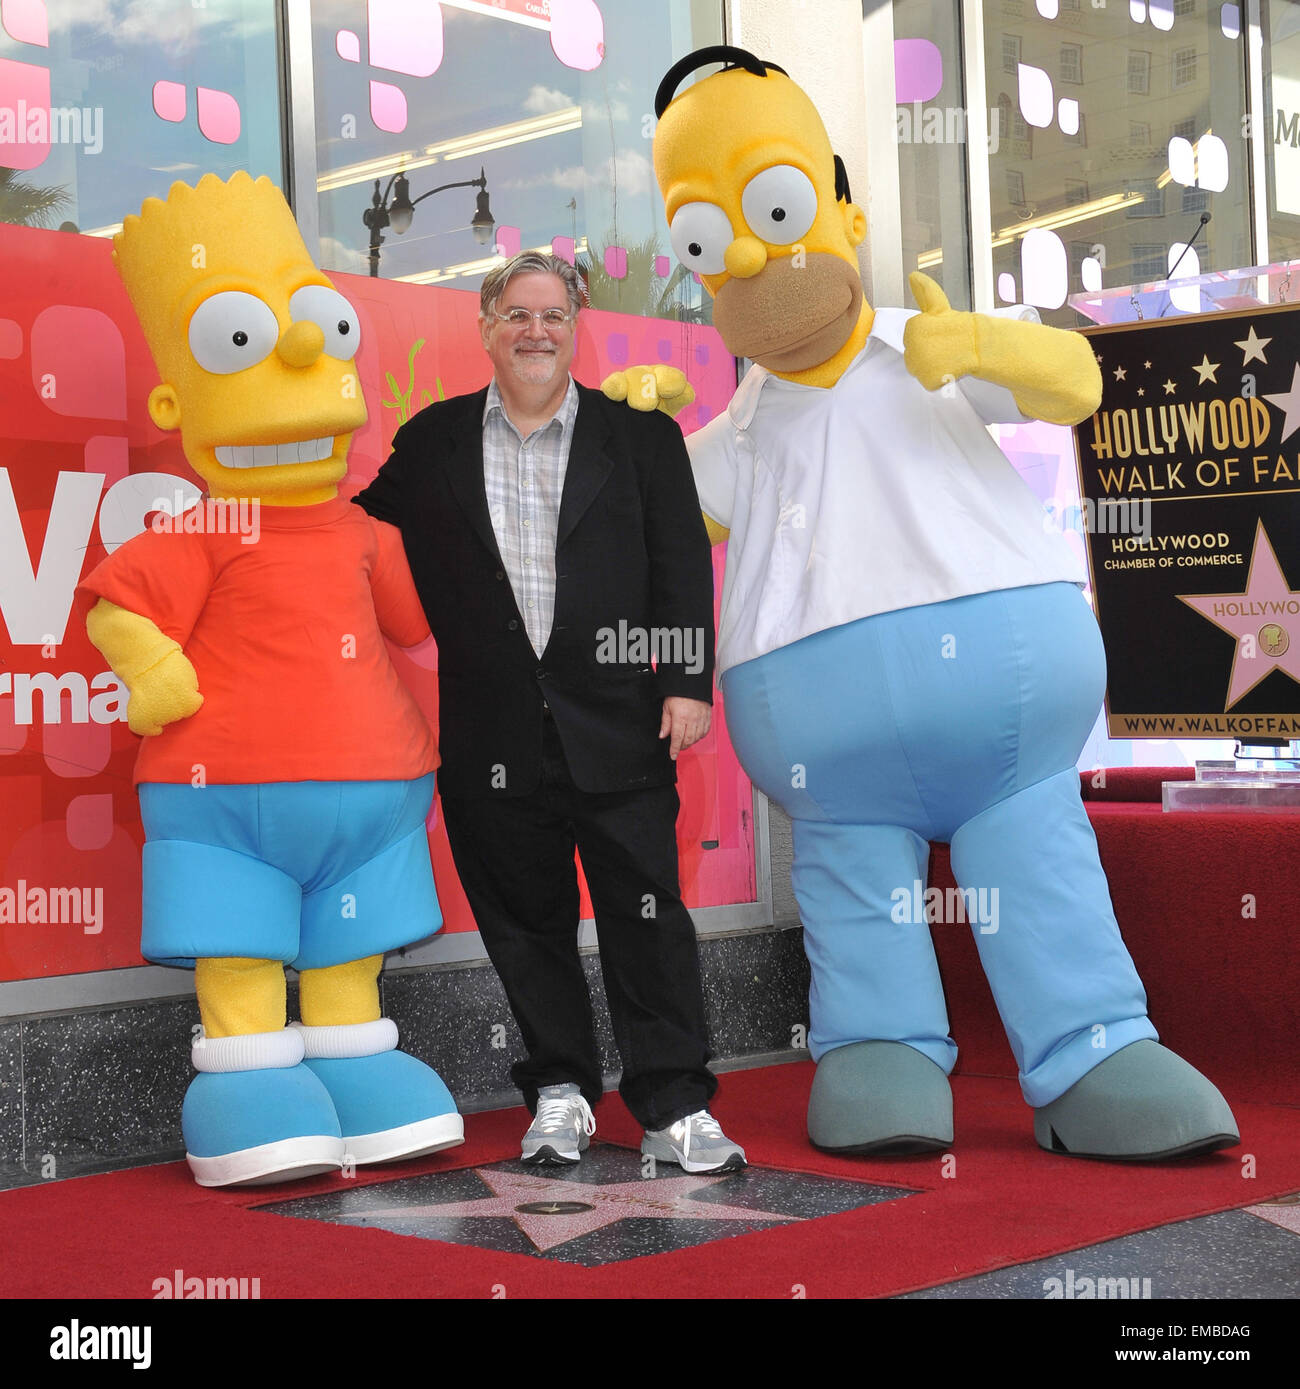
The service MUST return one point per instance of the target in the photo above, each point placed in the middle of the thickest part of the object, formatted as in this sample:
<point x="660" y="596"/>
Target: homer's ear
<point x="855" y="223"/>
<point x="164" y="408"/>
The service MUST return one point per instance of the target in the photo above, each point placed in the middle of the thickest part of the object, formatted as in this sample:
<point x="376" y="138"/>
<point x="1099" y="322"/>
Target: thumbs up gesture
<point x="939" y="343"/>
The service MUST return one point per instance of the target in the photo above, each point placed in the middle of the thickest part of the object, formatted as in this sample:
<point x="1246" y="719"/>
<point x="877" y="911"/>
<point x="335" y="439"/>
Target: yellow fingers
<point x="929" y="297"/>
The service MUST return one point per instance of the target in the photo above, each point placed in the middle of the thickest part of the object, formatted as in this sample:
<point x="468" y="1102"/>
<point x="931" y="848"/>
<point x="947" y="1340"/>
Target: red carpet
<point x="1006" y="1202"/>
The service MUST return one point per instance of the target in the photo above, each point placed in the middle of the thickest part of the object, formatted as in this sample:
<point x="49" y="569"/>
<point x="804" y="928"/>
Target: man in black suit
<point x="556" y="542"/>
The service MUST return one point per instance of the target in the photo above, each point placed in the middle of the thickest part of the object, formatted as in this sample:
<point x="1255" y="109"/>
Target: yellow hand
<point x="163" y="694"/>
<point x="938" y="343"/>
<point x="149" y="663"/>
<point x="1050" y="372"/>
<point x="651" y="388"/>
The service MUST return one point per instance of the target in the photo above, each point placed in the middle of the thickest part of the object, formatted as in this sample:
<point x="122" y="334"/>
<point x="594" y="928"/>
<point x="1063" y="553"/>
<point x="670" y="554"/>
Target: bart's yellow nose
<point x="745" y="257"/>
<point x="301" y="344"/>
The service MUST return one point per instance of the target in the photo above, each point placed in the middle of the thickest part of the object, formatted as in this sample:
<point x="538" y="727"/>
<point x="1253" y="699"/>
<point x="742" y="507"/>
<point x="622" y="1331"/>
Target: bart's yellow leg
<point x="239" y="996"/>
<point x="341" y="994"/>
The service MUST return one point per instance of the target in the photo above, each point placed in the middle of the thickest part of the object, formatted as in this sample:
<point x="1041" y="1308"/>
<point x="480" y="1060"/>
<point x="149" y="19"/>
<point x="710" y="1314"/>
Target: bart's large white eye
<point x="332" y="314"/>
<point x="232" y="331"/>
<point x="701" y="233"/>
<point x="780" y="204"/>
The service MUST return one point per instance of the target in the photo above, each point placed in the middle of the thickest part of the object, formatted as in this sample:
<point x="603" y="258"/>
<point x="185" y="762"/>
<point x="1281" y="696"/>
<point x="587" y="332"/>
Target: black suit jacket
<point x="631" y="548"/>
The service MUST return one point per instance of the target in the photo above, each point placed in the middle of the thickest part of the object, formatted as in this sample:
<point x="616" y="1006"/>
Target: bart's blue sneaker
<point x="390" y="1105"/>
<point x="255" y="1127"/>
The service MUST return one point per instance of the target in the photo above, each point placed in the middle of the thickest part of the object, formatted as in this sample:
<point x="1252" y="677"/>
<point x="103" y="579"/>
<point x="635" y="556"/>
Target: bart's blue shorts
<point x="311" y="873"/>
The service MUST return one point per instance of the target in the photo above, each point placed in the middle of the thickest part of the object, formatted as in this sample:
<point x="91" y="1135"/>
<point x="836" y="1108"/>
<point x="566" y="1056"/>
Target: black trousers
<point x="515" y="860"/>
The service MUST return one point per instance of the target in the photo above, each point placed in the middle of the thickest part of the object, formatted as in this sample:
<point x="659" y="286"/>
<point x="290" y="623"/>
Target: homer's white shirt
<point x="870" y="496"/>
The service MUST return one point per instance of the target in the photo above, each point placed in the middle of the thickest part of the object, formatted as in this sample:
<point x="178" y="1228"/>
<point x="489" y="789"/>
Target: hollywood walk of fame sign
<point x="1190" y="477"/>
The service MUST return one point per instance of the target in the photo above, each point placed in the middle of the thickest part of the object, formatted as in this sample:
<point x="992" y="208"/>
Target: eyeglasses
<point x="522" y="318"/>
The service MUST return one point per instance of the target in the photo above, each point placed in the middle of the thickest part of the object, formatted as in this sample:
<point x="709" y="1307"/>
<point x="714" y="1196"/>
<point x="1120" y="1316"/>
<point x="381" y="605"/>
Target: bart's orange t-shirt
<point x="286" y="637"/>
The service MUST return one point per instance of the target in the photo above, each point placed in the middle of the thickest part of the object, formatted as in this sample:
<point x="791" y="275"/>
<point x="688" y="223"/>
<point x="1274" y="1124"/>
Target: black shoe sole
<point x="546" y="1156"/>
<point x="1197" y="1148"/>
<point x="901" y="1145"/>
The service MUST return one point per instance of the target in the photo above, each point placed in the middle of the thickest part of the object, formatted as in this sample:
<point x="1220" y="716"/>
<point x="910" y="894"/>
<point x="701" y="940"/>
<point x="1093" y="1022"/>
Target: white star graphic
<point x="1170" y="388"/>
<point x="662" y="1198"/>
<point x="1252" y="347"/>
<point x="1205" y="370"/>
<point x="1120" y="373"/>
<point x="1147" y="365"/>
<point x="1288" y="401"/>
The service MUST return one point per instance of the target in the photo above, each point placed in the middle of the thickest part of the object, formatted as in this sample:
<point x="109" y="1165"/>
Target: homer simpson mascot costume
<point x="905" y="651"/>
<point x="285" y="773"/>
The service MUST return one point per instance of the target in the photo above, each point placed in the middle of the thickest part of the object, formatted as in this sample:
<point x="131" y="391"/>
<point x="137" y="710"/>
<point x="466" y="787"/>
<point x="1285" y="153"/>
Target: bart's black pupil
<point x="778" y="214"/>
<point x="240" y="338"/>
<point x="343" y="326"/>
<point x="695" y="248"/>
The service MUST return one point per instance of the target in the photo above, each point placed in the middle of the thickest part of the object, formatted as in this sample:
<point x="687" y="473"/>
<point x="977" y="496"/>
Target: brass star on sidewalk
<point x="579" y="1208"/>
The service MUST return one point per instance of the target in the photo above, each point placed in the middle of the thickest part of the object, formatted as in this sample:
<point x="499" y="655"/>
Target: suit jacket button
<point x="512" y="625"/>
<point x="501" y="573"/>
<point x="541" y="673"/>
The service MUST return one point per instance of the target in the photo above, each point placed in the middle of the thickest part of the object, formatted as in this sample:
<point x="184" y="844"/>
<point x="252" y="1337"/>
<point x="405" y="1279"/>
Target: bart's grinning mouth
<point x="274" y="455"/>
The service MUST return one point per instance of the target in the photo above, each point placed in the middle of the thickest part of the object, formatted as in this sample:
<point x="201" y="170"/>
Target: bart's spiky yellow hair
<point x="212" y="229"/>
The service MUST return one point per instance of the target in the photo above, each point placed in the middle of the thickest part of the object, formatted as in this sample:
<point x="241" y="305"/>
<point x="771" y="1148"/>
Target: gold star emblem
<point x="1252" y="347"/>
<point x="1120" y="373"/>
<point x="1141" y="390"/>
<point x="1147" y="365"/>
<point x="1170" y="388"/>
<point x="1205" y="369"/>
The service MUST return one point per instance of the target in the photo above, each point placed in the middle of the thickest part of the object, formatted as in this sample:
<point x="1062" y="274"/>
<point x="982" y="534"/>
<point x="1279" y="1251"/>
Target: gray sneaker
<point x="696" y="1143"/>
<point x="562" y="1127"/>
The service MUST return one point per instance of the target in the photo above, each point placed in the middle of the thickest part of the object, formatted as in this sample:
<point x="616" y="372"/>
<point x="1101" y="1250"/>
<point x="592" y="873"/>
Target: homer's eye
<point x="232" y="331"/>
<point x="332" y="314"/>
<point x="780" y="204"/>
<point x="701" y="233"/>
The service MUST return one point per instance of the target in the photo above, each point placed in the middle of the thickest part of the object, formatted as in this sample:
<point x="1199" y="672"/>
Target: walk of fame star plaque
<point x="612" y="1206"/>
<point x="1190" y="477"/>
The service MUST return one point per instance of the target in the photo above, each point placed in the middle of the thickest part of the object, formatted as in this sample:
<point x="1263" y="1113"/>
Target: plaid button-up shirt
<point x="524" y="481"/>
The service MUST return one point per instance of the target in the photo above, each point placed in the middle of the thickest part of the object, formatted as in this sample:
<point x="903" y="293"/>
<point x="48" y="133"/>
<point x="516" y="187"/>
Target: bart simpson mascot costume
<point x="285" y="774"/>
<point x="906" y="654"/>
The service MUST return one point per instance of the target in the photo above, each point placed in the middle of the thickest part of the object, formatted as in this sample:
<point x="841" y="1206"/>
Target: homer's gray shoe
<point x="561" y="1129"/>
<point x="1142" y="1104"/>
<point x="696" y="1144"/>
<point x="880" y="1098"/>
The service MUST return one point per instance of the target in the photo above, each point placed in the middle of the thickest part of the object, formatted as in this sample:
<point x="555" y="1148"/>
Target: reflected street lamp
<point x="398" y="215"/>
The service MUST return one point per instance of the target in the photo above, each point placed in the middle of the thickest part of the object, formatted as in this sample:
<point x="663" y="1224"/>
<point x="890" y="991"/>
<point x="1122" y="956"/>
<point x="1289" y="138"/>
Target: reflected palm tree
<point x="27" y="204"/>
<point x="641" y="291"/>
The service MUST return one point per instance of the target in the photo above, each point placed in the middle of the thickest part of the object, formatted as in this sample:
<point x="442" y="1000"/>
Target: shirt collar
<point x="566" y="414"/>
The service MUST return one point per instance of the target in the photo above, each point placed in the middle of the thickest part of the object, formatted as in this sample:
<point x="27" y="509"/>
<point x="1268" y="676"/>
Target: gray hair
<point x="530" y="263"/>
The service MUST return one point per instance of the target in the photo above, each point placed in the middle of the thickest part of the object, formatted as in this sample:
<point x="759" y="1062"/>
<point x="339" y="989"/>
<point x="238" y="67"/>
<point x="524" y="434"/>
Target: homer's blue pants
<point x="958" y="721"/>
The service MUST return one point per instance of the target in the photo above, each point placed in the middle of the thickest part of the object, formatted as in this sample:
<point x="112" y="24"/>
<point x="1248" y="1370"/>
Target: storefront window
<point x="546" y="111"/>
<point x="1280" y="126"/>
<point x="933" y="130"/>
<point x="104" y="105"/>
<point x="1124" y="126"/>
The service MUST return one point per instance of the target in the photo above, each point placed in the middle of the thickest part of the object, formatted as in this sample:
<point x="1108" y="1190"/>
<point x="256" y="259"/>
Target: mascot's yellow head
<point x="253" y="343"/>
<point x="759" y="207"/>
